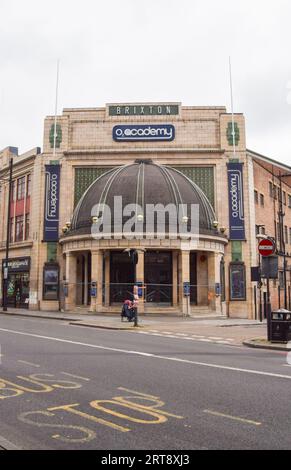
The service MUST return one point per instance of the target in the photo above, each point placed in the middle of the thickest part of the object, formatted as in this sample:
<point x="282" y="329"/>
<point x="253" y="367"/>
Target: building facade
<point x="148" y="154"/>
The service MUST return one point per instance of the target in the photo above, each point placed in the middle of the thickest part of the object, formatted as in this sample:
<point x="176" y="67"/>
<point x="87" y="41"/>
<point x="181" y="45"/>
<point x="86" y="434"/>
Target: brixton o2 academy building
<point x="159" y="180"/>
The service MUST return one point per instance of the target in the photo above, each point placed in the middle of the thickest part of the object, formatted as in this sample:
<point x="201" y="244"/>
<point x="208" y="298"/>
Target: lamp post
<point x="6" y="269"/>
<point x="281" y="216"/>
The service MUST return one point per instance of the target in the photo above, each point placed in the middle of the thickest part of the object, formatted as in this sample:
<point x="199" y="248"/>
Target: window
<point x="19" y="228"/>
<point x="256" y="197"/>
<point x="27" y="221"/>
<point x="275" y="191"/>
<point x="284" y="198"/>
<point x="290" y="238"/>
<point x="289" y="201"/>
<point x="51" y="282"/>
<point x="270" y="189"/>
<point x="285" y="234"/>
<point x="20" y="188"/>
<point x="262" y="200"/>
<point x="28" y="185"/>
<point x="263" y="230"/>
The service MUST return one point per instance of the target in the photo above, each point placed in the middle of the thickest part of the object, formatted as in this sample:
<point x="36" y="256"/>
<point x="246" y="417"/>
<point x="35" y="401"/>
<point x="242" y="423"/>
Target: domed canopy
<point x="142" y="183"/>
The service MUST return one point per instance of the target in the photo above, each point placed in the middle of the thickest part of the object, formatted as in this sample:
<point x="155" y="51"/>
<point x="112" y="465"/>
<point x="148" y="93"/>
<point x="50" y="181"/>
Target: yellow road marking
<point x="28" y="363"/>
<point x="75" y="376"/>
<point x="235" y="418"/>
<point x="71" y="408"/>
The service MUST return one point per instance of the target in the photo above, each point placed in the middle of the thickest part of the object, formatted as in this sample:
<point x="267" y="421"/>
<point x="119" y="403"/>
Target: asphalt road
<point x="69" y="387"/>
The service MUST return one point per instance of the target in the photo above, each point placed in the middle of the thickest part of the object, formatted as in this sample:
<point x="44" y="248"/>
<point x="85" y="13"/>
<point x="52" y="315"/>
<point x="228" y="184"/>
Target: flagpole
<point x="232" y="114"/>
<point x="56" y="108"/>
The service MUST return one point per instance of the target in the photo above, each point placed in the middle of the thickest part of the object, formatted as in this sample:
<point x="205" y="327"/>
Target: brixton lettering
<point x="144" y="110"/>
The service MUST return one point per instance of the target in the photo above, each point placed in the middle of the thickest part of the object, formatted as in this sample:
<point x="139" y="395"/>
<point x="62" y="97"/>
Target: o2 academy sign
<point x="143" y="132"/>
<point x="171" y="109"/>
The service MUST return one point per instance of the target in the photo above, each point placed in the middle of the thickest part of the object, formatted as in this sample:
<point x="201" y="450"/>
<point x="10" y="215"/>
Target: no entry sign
<point x="267" y="247"/>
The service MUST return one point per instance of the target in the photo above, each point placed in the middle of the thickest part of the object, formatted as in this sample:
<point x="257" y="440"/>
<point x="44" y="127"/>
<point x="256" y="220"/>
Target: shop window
<point x="51" y="281"/>
<point x="237" y="281"/>
<point x="19" y="222"/>
<point x="20" y="188"/>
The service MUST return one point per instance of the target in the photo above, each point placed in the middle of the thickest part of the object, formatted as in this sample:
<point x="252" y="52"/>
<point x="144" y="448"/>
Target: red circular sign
<point x="267" y="247"/>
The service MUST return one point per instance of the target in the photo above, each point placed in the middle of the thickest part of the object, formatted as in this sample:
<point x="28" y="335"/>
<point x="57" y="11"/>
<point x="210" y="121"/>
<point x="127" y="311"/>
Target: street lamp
<point x="6" y="268"/>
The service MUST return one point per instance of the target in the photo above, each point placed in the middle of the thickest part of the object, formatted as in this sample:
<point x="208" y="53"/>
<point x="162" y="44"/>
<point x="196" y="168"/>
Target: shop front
<point x="18" y="282"/>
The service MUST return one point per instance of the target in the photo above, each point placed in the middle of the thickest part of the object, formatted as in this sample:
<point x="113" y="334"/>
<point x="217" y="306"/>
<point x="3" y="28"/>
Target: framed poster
<point x="237" y="281"/>
<point x="51" y="281"/>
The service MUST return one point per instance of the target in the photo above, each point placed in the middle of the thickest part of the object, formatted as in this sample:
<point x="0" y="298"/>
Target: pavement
<point x="70" y="387"/>
<point x="209" y="330"/>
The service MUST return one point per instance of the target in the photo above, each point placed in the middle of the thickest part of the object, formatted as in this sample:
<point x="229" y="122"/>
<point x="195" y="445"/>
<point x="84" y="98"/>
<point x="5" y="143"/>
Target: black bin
<point x="280" y="327"/>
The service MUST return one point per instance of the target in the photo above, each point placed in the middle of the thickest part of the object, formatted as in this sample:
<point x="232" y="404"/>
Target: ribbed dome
<point x="142" y="183"/>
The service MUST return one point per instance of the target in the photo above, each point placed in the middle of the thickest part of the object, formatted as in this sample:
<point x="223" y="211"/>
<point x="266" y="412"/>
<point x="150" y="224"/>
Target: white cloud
<point x="133" y="50"/>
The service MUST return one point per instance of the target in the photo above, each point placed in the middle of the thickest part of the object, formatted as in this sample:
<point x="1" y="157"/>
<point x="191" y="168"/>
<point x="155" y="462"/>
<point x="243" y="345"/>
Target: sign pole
<point x="6" y="268"/>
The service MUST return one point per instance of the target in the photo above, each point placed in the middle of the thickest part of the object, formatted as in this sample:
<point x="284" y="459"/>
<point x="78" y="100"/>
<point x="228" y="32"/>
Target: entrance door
<point x="193" y="278"/>
<point x="158" y="277"/>
<point x="121" y="277"/>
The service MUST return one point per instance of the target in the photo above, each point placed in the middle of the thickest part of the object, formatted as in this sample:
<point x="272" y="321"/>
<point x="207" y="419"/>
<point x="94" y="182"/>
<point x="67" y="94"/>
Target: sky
<point x="146" y="50"/>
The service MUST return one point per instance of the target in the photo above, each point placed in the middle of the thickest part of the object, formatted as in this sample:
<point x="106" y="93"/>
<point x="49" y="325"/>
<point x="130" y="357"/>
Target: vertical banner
<point x="236" y="201"/>
<point x="51" y="203"/>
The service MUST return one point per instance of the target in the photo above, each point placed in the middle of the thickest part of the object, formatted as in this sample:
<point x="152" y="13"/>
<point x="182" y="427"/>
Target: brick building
<point x="148" y="153"/>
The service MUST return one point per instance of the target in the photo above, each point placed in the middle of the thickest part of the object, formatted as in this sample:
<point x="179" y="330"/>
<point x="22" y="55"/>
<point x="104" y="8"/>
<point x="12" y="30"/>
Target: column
<point x="175" y="278"/>
<point x="140" y="278"/>
<point x="184" y="276"/>
<point x="96" y="276"/>
<point x="71" y="280"/>
<point x="213" y="279"/>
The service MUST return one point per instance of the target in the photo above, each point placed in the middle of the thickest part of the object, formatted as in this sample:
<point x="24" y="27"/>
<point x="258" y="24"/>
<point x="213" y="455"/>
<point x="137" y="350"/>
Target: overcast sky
<point x="146" y="50"/>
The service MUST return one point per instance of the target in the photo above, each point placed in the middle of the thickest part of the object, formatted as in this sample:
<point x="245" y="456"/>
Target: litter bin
<point x="280" y="326"/>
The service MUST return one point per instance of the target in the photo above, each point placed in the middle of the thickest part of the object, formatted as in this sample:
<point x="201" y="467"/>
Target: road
<point x="70" y="387"/>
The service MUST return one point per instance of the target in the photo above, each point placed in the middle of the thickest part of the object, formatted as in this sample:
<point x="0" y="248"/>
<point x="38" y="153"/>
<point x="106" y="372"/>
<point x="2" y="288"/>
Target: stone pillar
<point x="175" y="278"/>
<point x="71" y="280"/>
<point x="107" y="279"/>
<point x="96" y="276"/>
<point x="213" y="278"/>
<point x="184" y="276"/>
<point x="140" y="278"/>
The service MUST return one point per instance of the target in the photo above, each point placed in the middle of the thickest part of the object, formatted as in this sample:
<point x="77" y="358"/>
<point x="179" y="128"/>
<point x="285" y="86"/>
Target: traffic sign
<point x="267" y="247"/>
